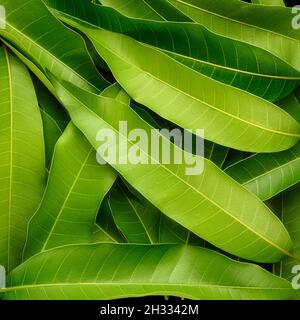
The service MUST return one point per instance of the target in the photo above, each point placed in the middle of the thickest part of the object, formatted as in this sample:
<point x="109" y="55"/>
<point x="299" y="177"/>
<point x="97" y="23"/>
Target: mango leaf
<point x="289" y="211"/>
<point x="51" y="106"/>
<point x="291" y="105"/>
<point x="75" y="189"/>
<point x="54" y="119"/>
<point x="110" y="271"/>
<point x="101" y="235"/>
<point x="138" y="221"/>
<point x="32" y="67"/>
<point x="22" y="169"/>
<point x="215" y="153"/>
<point x="214" y="206"/>
<point x="52" y="132"/>
<point x="233" y="157"/>
<point x="266" y="175"/>
<point x="172" y="232"/>
<point x="40" y="35"/>
<point x="105" y="225"/>
<point x="148" y="9"/>
<point x="229" y="116"/>
<point x="226" y="60"/>
<point x="270" y="2"/>
<point x="249" y="23"/>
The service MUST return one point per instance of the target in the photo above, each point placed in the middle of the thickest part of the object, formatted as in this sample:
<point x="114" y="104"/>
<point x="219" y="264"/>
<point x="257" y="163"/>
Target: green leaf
<point x="233" y="157"/>
<point x="172" y="232"/>
<point x="54" y="119"/>
<point x="269" y="2"/>
<point x="32" y="67"/>
<point x="291" y="105"/>
<point x="138" y="221"/>
<point x="248" y="23"/>
<point x="226" y="60"/>
<point x="110" y="271"/>
<point x="229" y="116"/>
<point x="211" y="204"/>
<point x="22" y="168"/>
<point x="40" y="36"/>
<point x="266" y="175"/>
<point x="75" y="189"/>
<point x="147" y="9"/>
<point x="290" y="213"/>
<point x="215" y="153"/>
<point x="105" y="225"/>
<point x="51" y="105"/>
<point x="52" y="132"/>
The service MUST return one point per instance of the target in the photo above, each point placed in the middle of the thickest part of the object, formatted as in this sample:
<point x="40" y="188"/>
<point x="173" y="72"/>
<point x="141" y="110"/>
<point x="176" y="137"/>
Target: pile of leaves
<point x="71" y="228"/>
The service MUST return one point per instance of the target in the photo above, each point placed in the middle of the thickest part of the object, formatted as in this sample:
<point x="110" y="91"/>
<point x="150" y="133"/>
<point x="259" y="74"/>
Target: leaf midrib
<point x="118" y="284"/>
<point x="219" y="66"/>
<point x="9" y="71"/>
<point x="151" y="8"/>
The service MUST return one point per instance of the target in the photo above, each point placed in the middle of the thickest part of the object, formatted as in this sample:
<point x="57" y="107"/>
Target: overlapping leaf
<point x="148" y="9"/>
<point x="290" y="216"/>
<point x="54" y="119"/>
<point x="75" y="188"/>
<point x="138" y="221"/>
<point x="232" y="62"/>
<point x="213" y="207"/>
<point x="229" y="116"/>
<point x="249" y="23"/>
<point x="48" y="43"/>
<point x="109" y="271"/>
<point x="266" y="175"/>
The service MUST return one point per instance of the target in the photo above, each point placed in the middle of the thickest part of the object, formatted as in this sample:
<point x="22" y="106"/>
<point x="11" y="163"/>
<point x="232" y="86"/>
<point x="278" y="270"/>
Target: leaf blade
<point x="102" y="271"/>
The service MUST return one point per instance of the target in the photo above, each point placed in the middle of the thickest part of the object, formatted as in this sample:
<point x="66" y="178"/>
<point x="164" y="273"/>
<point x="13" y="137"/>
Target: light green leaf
<point x="22" y="167"/>
<point x="211" y="204"/>
<point x="110" y="271"/>
<point x="266" y="175"/>
<point x="232" y="62"/>
<point x="40" y="35"/>
<point x="229" y="116"/>
<point x="32" y="67"/>
<point x="249" y="23"/>
<point x="75" y="189"/>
